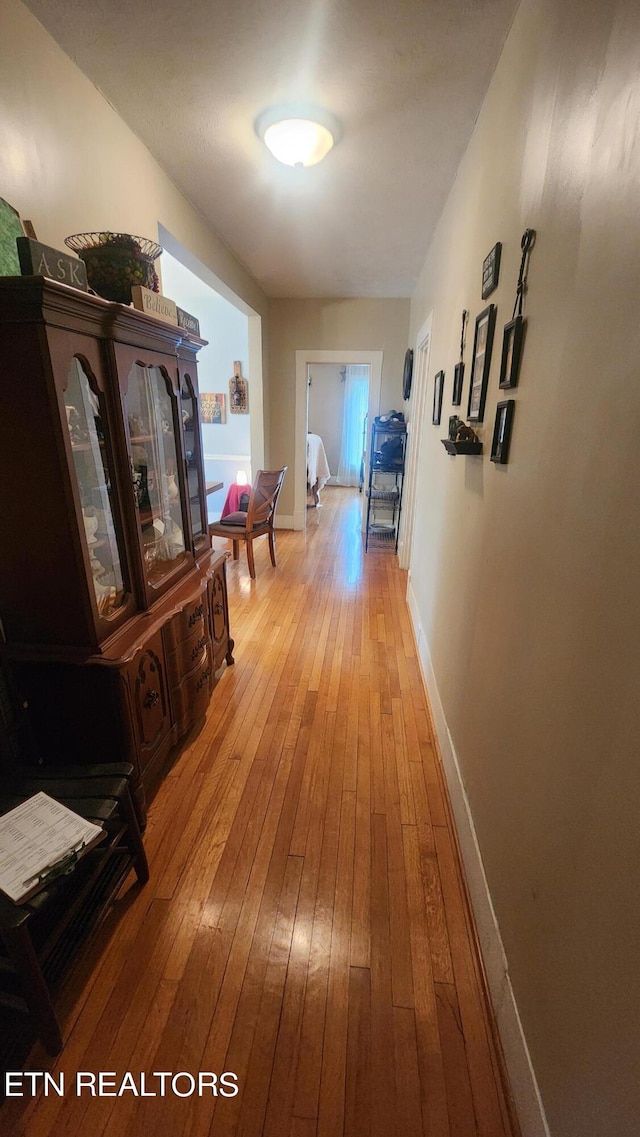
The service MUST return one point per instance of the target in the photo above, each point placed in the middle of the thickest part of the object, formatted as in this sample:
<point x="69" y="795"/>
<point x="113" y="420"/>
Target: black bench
<point x="41" y="936"/>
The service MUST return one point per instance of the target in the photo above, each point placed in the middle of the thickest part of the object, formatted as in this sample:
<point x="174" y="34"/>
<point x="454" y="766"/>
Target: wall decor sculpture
<point x="513" y="333"/>
<point x="458" y="374"/>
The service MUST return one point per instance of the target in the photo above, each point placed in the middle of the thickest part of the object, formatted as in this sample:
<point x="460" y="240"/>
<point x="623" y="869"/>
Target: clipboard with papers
<point x="41" y="839"/>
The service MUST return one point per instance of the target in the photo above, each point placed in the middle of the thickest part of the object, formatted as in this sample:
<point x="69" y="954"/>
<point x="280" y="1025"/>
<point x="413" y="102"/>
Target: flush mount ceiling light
<point x="298" y="136"/>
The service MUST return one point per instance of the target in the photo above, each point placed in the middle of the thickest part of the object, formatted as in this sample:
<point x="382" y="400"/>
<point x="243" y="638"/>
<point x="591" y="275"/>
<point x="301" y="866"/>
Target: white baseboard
<point x="287" y="522"/>
<point x="522" y="1079"/>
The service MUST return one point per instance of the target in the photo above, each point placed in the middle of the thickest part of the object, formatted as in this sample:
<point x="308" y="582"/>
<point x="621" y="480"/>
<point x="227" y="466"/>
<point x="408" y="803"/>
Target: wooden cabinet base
<point x="144" y="693"/>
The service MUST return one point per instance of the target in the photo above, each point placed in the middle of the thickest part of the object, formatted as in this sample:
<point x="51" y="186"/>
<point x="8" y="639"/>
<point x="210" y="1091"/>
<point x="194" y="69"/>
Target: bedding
<point x="318" y="472"/>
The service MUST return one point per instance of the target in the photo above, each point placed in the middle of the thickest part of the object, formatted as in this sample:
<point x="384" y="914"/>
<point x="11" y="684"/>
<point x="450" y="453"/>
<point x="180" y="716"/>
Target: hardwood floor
<point x="305" y="925"/>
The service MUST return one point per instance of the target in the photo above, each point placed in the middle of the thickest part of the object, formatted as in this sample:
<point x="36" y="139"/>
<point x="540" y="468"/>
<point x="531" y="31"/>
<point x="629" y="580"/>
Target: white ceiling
<point x="405" y="78"/>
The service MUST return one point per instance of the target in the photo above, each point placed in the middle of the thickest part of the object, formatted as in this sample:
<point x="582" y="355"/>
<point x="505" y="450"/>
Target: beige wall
<point x="69" y="163"/>
<point x="328" y="325"/>
<point x="326" y="408"/>
<point x="525" y="577"/>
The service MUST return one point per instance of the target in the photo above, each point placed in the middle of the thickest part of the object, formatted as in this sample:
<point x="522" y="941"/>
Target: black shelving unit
<point x="386" y="479"/>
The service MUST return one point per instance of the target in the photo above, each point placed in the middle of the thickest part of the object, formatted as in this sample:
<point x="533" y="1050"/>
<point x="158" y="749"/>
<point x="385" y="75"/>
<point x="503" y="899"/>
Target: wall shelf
<point x="461" y="447"/>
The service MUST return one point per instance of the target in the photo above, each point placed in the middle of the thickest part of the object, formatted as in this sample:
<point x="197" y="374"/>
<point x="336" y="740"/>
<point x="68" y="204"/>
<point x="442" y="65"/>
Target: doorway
<point x="307" y="363"/>
<point x="337" y="409"/>
<point x="233" y="442"/>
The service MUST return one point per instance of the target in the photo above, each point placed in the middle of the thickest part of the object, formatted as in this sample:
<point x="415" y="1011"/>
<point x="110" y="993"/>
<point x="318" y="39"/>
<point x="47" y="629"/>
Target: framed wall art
<point x="10" y="228"/>
<point x="491" y="271"/>
<point x="458" y="374"/>
<point x="502" y="432"/>
<point x="238" y="393"/>
<point x="213" y="409"/>
<point x="512" y="337"/>
<point x="438" y="388"/>
<point x="407" y="374"/>
<point x="481" y="362"/>
<point x="458" y="380"/>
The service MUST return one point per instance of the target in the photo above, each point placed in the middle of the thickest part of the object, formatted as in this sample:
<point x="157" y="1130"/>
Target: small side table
<point x="40" y="937"/>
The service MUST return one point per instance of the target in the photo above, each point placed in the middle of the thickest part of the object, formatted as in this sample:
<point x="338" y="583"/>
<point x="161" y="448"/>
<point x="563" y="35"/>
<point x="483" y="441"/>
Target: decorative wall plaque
<point x="153" y="304"/>
<point x="41" y="260"/>
<point x="188" y="322"/>
<point x="238" y="393"/>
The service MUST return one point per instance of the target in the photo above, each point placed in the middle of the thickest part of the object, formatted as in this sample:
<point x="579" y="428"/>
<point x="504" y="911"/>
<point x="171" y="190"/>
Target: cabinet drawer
<point x="192" y="621"/>
<point x="187" y="655"/>
<point x="190" y="698"/>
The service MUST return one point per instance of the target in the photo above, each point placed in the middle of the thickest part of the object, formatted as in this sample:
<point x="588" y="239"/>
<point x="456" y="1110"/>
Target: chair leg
<point x="36" y="993"/>
<point x="134" y="840"/>
<point x="272" y="547"/>
<point x="236" y="550"/>
<point x="250" y="561"/>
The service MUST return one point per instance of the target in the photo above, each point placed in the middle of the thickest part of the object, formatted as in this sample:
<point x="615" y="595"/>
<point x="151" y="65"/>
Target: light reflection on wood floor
<point x="304" y="925"/>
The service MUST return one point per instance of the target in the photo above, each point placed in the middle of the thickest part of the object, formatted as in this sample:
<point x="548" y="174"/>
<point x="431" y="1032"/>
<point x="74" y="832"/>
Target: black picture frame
<point x="438" y="388"/>
<point x="458" y="380"/>
<point x="407" y="374"/>
<point x="512" y="338"/>
<point x="502" y="432"/>
<point x="481" y="362"/>
<point x="491" y="270"/>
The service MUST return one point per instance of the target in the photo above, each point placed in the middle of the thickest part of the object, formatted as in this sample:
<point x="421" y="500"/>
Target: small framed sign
<point x="213" y="410"/>
<point x="407" y="374"/>
<point x="502" y="432"/>
<point x="481" y="362"/>
<point x="491" y="271"/>
<point x="37" y="259"/>
<point x="438" y="388"/>
<point x="145" y="300"/>
<point x="511" y="351"/>
<point x="458" y="380"/>
<point x="188" y="322"/>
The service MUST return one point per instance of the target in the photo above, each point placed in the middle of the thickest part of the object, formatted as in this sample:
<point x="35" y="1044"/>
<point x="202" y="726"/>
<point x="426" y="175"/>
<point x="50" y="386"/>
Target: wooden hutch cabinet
<point x="114" y="605"/>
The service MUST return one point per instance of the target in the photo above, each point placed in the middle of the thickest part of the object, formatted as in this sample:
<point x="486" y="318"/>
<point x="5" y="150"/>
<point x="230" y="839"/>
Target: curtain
<point x="356" y="401"/>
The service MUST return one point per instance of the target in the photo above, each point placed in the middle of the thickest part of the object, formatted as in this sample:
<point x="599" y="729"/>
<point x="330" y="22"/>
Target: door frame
<point x="304" y="359"/>
<point x="415" y="424"/>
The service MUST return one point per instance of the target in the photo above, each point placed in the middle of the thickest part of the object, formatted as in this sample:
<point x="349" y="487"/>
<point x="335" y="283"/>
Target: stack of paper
<point x="39" y="839"/>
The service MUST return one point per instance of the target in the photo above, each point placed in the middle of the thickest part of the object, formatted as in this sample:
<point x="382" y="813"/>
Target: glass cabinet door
<point x="191" y="441"/>
<point x="90" y="447"/>
<point x="154" y="469"/>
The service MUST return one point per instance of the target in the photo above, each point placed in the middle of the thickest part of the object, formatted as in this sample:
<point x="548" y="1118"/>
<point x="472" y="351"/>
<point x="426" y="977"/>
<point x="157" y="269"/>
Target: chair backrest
<point x="264" y="498"/>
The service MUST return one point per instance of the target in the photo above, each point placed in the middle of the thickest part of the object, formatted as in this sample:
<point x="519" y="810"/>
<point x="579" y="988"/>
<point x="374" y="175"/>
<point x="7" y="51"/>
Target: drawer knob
<point x="195" y="615"/>
<point x="203" y="678"/>
<point x="198" y="648"/>
<point x="151" y="698"/>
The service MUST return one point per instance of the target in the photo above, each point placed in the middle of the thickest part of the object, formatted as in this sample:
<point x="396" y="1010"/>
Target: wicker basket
<point x="115" y="262"/>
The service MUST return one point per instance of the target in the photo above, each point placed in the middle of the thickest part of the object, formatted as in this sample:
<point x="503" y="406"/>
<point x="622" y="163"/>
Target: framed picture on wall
<point x="458" y="380"/>
<point x="481" y="362"/>
<point x="438" y="388"/>
<point x="502" y="432"/>
<point x="491" y="271"/>
<point x="213" y="410"/>
<point x="511" y="351"/>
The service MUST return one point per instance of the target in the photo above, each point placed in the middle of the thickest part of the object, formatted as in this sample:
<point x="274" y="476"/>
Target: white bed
<point x="318" y="472"/>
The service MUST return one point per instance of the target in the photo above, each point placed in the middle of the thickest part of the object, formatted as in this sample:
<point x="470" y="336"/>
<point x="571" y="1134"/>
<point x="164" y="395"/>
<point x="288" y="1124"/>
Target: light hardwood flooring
<point x="305" y="925"/>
